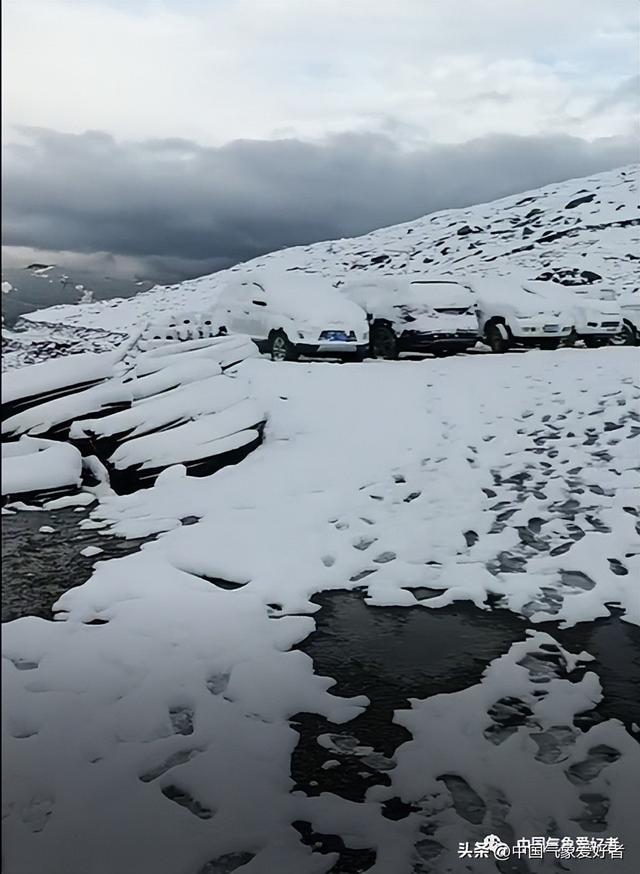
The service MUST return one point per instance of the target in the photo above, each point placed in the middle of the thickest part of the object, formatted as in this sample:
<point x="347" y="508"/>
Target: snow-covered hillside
<point x="582" y="231"/>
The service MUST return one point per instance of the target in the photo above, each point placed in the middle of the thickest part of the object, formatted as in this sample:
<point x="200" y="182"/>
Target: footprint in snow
<point x="364" y="543"/>
<point x="186" y="800"/>
<point x="217" y="683"/>
<point x="471" y="537"/>
<point x="177" y="758"/>
<point x="597" y="759"/>
<point x="181" y="720"/>
<point x="384" y="557"/>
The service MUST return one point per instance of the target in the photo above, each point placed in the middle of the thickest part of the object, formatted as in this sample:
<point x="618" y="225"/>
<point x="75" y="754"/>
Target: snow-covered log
<point x="35" y="467"/>
<point x="54" y="418"/>
<point x="27" y="386"/>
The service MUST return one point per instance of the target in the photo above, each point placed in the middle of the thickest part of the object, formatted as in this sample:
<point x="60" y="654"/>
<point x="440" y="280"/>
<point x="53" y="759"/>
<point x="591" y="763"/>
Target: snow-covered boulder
<point x="37" y="467"/>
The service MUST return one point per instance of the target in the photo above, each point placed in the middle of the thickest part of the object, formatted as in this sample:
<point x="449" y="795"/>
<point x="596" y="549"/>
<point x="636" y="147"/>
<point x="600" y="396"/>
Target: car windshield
<point x="427" y="296"/>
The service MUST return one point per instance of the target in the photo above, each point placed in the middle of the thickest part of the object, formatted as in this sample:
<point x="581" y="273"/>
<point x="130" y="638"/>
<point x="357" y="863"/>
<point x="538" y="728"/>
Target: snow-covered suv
<point x="511" y="315"/>
<point x="415" y="315"/>
<point x="596" y="321"/>
<point x="291" y="313"/>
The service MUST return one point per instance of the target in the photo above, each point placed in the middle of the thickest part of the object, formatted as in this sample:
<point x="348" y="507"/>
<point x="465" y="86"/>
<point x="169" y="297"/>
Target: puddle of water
<point x="39" y="566"/>
<point x="389" y="654"/>
<point x="393" y="654"/>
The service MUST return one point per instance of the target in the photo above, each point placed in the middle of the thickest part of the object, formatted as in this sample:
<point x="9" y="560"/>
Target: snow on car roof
<point x="571" y="296"/>
<point x="298" y="293"/>
<point x="381" y="292"/>
<point x="511" y="290"/>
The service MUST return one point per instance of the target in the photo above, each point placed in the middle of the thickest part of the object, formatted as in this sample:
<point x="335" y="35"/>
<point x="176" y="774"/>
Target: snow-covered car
<point x="596" y="321"/>
<point x="629" y="303"/>
<point x="510" y="314"/>
<point x="415" y="315"/>
<point x="292" y="313"/>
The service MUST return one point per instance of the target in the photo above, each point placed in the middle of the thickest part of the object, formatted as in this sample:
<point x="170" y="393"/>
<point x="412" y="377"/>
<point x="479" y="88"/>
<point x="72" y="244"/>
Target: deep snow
<point x="454" y="476"/>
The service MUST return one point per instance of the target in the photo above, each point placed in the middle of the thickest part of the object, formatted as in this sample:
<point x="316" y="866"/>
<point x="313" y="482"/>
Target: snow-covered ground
<point x="580" y="231"/>
<point x="147" y="730"/>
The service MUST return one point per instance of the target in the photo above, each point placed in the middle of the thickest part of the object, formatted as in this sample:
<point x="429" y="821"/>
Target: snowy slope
<point x="584" y="230"/>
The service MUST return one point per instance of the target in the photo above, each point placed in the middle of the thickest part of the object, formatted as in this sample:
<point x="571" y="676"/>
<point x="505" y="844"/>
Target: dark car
<point x="415" y="315"/>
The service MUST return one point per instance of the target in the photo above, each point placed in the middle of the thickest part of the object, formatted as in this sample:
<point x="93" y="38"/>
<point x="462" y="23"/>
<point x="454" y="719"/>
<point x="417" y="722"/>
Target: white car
<point x="293" y="313"/>
<point x="511" y="315"/>
<point x="596" y="321"/>
<point x="415" y="315"/>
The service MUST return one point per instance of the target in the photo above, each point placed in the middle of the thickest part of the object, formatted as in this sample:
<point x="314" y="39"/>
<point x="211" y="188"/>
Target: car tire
<point x="281" y="348"/>
<point x="627" y="336"/>
<point x="593" y="342"/>
<point x="384" y="343"/>
<point x="549" y="345"/>
<point x="442" y="353"/>
<point x="495" y="338"/>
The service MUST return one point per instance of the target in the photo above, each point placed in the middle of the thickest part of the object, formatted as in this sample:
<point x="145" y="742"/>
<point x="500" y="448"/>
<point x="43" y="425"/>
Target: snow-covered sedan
<point x="293" y="313"/>
<point x="510" y="314"/>
<point x="415" y="315"/>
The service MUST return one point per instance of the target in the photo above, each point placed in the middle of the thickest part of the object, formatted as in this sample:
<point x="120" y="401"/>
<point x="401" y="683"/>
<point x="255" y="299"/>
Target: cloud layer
<point x="175" y="208"/>
<point x="219" y="70"/>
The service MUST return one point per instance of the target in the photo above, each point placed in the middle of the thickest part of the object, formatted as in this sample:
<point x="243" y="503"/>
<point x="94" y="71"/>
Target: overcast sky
<point x="182" y="136"/>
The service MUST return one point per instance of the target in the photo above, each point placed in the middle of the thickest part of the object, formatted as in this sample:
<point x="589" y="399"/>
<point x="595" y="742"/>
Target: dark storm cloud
<point x="183" y="209"/>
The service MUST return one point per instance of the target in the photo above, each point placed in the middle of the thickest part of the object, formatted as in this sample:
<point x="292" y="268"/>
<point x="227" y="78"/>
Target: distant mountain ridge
<point x="583" y="231"/>
<point x="28" y="289"/>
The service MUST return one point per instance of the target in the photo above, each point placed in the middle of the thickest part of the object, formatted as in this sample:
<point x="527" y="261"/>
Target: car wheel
<point x="384" y="343"/>
<point x="281" y="347"/>
<point x="496" y="339"/>
<point x="571" y="339"/>
<point x="442" y="353"/>
<point x="593" y="342"/>
<point x="549" y="345"/>
<point x="626" y="337"/>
